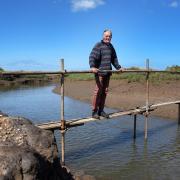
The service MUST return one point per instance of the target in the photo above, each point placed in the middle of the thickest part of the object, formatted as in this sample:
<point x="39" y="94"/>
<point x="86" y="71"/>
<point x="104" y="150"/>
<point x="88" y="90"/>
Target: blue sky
<point x="35" y="34"/>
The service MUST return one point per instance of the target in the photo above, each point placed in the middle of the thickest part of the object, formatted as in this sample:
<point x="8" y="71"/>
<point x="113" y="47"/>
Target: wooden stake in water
<point x="135" y="118"/>
<point x="147" y="98"/>
<point x="178" y="113"/>
<point x="62" y="116"/>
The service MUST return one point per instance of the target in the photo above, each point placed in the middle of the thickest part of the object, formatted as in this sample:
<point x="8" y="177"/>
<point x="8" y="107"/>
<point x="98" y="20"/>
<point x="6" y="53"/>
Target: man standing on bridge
<point x="101" y="57"/>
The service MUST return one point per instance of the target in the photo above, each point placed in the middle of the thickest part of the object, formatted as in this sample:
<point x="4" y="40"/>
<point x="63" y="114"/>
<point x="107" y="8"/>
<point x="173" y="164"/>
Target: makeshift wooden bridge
<point x="64" y="125"/>
<point x="81" y="121"/>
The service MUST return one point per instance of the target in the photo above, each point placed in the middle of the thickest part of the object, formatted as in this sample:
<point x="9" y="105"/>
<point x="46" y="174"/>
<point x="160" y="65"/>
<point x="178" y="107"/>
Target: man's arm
<point x="114" y="60"/>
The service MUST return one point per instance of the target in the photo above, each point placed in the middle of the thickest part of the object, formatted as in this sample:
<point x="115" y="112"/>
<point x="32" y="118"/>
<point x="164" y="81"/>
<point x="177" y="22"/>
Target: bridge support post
<point x="147" y="100"/>
<point x="63" y="123"/>
<point x="135" y="118"/>
<point x="178" y="113"/>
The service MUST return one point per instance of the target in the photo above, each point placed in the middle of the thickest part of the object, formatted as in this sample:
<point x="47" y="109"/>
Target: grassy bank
<point x="10" y="80"/>
<point x="130" y="77"/>
<point x="134" y="77"/>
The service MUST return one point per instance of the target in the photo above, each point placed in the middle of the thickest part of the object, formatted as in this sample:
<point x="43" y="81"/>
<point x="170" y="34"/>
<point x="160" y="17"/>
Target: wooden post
<point x="147" y="99"/>
<point x="178" y="113"/>
<point x="63" y="147"/>
<point x="62" y="116"/>
<point x="135" y="118"/>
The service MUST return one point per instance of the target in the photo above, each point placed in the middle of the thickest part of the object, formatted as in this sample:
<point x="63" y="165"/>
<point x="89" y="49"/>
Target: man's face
<point x="107" y="37"/>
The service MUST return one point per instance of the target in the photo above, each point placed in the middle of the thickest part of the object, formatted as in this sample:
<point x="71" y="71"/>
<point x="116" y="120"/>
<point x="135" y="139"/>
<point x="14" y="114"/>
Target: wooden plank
<point x="165" y="103"/>
<point x="50" y="126"/>
<point x="81" y="121"/>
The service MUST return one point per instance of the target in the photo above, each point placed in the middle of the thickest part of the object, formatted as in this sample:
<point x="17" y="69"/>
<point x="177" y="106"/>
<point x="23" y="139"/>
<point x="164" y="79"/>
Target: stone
<point x="28" y="152"/>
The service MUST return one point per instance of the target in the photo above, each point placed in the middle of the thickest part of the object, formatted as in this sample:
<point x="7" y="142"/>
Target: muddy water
<point x="105" y="148"/>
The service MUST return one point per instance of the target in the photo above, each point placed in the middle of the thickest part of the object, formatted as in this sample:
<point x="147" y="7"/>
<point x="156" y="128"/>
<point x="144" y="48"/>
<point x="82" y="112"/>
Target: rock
<point x="80" y="175"/>
<point x="28" y="152"/>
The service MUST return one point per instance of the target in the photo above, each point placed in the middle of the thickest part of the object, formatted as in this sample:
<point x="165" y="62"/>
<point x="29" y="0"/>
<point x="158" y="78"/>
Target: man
<point x="101" y="57"/>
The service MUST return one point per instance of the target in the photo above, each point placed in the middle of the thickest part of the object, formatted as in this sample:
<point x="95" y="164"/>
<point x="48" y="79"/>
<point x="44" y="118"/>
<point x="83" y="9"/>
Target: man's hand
<point x="94" y="70"/>
<point x="121" y="69"/>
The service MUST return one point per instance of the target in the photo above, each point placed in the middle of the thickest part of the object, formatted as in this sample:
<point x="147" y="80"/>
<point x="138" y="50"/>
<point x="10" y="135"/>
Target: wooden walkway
<point x="81" y="121"/>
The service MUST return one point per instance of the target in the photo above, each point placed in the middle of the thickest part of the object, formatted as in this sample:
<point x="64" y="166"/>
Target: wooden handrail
<point x="83" y="71"/>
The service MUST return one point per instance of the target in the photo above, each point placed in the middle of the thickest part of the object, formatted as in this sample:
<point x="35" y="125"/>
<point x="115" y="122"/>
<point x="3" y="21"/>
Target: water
<point x="105" y="148"/>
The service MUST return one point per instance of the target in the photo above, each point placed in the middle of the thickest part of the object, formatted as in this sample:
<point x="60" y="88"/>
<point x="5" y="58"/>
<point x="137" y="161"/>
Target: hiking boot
<point x="95" y="115"/>
<point x="103" y="114"/>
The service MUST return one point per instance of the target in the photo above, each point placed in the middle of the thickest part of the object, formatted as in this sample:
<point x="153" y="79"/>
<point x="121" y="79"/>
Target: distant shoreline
<point x="124" y="96"/>
<point x="32" y="80"/>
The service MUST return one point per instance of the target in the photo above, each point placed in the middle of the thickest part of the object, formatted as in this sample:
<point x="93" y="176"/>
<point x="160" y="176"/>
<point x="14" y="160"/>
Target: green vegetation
<point x="130" y="77"/>
<point x="174" y="68"/>
<point x="134" y="77"/>
<point x="16" y="78"/>
<point x="158" y="77"/>
<point x="80" y="76"/>
<point x="153" y="77"/>
<point x="31" y="76"/>
<point x="1" y="69"/>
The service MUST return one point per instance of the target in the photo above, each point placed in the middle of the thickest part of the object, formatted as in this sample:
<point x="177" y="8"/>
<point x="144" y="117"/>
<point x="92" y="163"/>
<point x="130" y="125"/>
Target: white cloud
<point x="78" y="5"/>
<point x="174" y="4"/>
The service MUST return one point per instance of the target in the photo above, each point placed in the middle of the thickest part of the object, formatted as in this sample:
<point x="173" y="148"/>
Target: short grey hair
<point x="107" y="30"/>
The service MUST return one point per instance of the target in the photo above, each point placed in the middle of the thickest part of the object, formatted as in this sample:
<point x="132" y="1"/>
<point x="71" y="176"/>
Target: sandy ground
<point x="123" y="95"/>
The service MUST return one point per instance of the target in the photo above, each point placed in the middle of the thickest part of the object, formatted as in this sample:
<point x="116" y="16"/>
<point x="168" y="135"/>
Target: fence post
<point x="147" y="99"/>
<point x="178" y="113"/>
<point x="135" y="118"/>
<point x="62" y="116"/>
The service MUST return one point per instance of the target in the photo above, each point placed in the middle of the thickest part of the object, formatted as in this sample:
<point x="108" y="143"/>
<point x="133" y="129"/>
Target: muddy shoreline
<point x="124" y="96"/>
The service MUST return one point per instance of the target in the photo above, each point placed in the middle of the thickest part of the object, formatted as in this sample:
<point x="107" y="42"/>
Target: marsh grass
<point x="80" y="76"/>
<point x="130" y="77"/>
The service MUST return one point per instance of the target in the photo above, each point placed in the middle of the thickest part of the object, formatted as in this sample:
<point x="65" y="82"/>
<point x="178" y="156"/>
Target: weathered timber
<point x="62" y="96"/>
<point x="84" y="71"/>
<point x="81" y="121"/>
<point x="63" y="122"/>
<point x="50" y="126"/>
<point x="178" y="113"/>
<point x="165" y="103"/>
<point x="147" y="99"/>
<point x="78" y="122"/>
<point x="125" y="71"/>
<point x="135" y="119"/>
